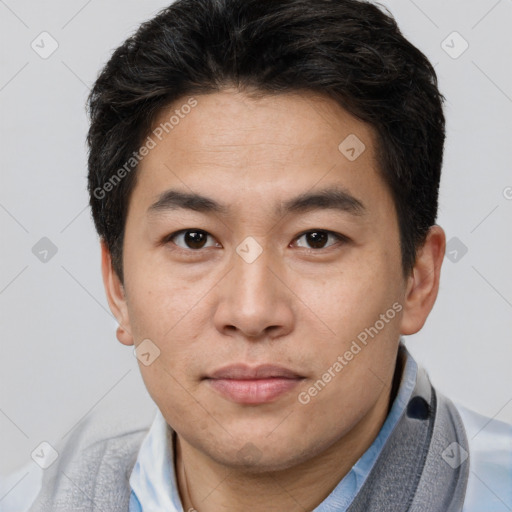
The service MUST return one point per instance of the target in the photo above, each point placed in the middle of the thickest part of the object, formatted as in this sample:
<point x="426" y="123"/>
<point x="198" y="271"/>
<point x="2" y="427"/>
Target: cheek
<point x="358" y="309"/>
<point x="334" y="410"/>
<point x="352" y="295"/>
<point x="167" y="384"/>
<point x="160" y="302"/>
<point x="171" y="313"/>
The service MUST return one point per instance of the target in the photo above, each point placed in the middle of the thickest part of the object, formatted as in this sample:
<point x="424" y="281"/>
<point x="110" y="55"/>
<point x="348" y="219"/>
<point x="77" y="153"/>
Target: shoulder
<point x="95" y="455"/>
<point x="105" y="428"/>
<point x="490" y="461"/>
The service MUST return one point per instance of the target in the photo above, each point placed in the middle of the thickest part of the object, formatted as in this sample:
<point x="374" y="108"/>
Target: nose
<point x="254" y="302"/>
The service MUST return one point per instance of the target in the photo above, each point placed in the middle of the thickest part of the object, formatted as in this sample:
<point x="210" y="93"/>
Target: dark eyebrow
<point x="330" y="198"/>
<point x="174" y="199"/>
<point x="333" y="198"/>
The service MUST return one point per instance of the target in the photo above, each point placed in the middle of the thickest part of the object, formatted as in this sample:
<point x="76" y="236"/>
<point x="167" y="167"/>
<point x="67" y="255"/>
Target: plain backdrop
<point x="59" y="355"/>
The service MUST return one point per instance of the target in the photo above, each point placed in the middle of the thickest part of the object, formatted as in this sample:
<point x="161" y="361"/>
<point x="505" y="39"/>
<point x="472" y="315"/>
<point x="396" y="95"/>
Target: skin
<point x="296" y="305"/>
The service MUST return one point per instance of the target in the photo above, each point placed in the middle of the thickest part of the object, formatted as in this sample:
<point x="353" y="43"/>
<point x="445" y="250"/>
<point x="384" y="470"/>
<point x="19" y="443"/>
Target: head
<point x="264" y="180"/>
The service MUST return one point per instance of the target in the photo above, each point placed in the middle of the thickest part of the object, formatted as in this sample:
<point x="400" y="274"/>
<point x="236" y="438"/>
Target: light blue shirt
<point x="154" y="484"/>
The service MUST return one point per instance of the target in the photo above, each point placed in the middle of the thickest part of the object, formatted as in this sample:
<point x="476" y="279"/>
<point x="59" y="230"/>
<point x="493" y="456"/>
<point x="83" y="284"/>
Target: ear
<point x="423" y="283"/>
<point x="115" y="296"/>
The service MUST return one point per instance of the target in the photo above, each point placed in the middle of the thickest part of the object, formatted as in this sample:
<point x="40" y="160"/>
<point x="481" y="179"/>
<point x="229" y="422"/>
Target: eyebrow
<point x="333" y="198"/>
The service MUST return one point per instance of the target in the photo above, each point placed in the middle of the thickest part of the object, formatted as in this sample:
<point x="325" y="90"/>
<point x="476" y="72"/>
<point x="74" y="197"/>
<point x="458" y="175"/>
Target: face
<point x="275" y="298"/>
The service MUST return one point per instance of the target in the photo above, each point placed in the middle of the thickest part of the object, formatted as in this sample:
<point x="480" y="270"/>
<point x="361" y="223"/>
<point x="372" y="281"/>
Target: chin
<point x="255" y="454"/>
<point x="254" y="461"/>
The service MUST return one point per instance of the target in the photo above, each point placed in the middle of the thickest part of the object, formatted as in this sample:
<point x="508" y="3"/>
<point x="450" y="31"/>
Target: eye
<point x="193" y="239"/>
<point x="318" y="238"/>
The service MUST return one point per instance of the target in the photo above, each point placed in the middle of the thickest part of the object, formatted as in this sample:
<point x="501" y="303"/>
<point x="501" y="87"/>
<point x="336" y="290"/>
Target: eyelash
<point x="338" y="236"/>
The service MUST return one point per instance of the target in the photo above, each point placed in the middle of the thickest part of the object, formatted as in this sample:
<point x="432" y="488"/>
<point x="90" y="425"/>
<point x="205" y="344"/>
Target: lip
<point x="253" y="385"/>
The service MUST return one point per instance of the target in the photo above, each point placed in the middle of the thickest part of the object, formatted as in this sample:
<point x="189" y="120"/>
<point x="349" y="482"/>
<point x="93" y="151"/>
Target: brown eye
<point x="190" y="239"/>
<point x="317" y="239"/>
<point x="195" y="239"/>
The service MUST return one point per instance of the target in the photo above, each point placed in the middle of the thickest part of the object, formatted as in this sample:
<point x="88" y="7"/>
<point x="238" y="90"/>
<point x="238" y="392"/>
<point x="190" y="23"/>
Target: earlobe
<point x="423" y="283"/>
<point x="116" y="297"/>
<point x="123" y="336"/>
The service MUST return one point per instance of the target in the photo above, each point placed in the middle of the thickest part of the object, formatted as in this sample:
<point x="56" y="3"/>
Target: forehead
<point x="233" y="146"/>
<point x="227" y="120"/>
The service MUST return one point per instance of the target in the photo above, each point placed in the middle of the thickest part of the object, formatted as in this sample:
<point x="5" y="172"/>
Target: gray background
<point x="59" y="356"/>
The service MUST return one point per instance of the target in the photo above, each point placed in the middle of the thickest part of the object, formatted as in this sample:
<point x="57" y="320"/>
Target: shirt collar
<point x="153" y="478"/>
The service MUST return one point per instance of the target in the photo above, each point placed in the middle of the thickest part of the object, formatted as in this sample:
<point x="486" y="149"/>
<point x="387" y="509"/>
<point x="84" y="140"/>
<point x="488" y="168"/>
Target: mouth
<point x="253" y="385"/>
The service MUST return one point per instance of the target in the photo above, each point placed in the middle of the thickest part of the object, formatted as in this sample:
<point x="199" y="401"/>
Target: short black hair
<point x="349" y="50"/>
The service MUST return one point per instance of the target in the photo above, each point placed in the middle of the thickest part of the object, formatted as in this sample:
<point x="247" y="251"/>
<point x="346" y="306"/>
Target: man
<point x="264" y="180"/>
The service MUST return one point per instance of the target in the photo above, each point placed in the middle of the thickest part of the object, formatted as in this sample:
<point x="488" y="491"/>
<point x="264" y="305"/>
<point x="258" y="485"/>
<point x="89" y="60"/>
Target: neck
<point x="206" y="486"/>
